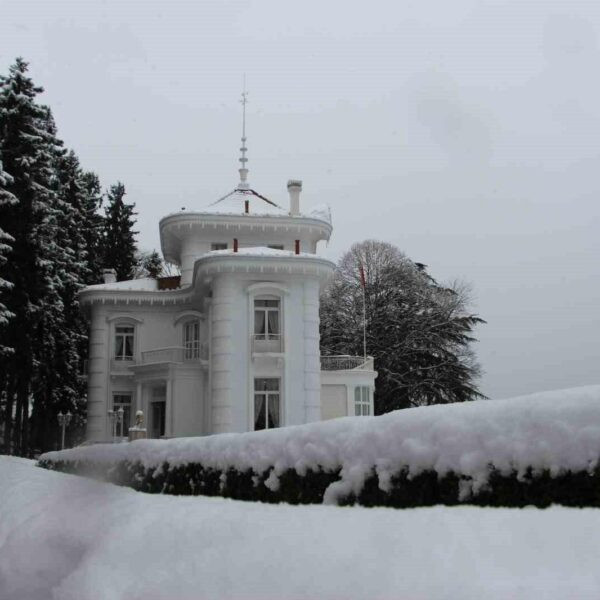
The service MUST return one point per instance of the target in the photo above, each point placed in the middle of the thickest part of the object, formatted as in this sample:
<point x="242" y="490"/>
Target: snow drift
<point x="71" y="538"/>
<point x="554" y="432"/>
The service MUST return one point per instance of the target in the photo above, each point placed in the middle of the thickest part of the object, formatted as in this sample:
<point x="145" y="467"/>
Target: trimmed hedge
<point x="577" y="489"/>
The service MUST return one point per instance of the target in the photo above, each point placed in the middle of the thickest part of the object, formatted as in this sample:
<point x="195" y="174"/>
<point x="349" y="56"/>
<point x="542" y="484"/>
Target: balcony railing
<point x="267" y="342"/>
<point x="175" y="354"/>
<point x="122" y="363"/>
<point x="346" y="363"/>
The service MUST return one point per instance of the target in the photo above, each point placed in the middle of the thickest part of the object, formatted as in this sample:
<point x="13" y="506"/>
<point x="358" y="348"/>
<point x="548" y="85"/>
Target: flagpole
<point x="365" y="323"/>
<point x="363" y="284"/>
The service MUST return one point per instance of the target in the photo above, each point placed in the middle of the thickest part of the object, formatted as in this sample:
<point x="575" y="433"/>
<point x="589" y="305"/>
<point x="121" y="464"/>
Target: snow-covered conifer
<point x="6" y="199"/>
<point x="28" y="151"/>
<point x="93" y="227"/>
<point x="119" y="236"/>
<point x="149" y="264"/>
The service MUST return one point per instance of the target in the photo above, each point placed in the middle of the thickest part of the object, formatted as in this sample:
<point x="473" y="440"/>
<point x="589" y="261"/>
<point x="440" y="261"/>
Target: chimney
<point x="294" y="188"/>
<point x="109" y="275"/>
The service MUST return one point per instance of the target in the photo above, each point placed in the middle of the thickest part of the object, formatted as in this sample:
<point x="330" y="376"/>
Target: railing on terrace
<point x="346" y="363"/>
<point x="176" y="354"/>
<point x="267" y="342"/>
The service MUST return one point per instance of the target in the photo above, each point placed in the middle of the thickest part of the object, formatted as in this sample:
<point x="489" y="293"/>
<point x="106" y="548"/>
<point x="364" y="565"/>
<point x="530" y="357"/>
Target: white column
<point x="98" y="428"/>
<point x="169" y="408"/>
<point x="312" y="363"/>
<point x="221" y="349"/>
<point x="139" y="401"/>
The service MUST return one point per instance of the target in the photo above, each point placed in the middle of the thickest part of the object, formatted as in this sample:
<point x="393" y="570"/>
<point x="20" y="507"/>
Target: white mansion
<point x="231" y="345"/>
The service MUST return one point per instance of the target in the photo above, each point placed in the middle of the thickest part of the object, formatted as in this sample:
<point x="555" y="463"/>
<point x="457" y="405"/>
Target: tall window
<point x="267" y="413"/>
<point x="123" y="400"/>
<point x="124" y="342"/>
<point x="191" y="340"/>
<point x="362" y="401"/>
<point x="218" y="246"/>
<point x="266" y="319"/>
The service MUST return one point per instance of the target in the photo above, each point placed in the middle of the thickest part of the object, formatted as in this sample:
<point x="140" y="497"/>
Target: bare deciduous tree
<point x="419" y="332"/>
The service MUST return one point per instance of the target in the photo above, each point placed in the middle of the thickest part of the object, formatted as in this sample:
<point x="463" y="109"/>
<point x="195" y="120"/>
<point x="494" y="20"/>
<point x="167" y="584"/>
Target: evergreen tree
<point x="119" y="237"/>
<point x="6" y="199"/>
<point x="62" y="331"/>
<point x="419" y="332"/>
<point x="93" y="227"/>
<point x="28" y="150"/>
<point x="149" y="264"/>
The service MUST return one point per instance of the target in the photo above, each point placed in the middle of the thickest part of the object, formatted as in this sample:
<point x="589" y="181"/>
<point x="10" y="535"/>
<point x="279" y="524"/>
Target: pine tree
<point x="6" y="199"/>
<point x="93" y="227"/>
<point x="28" y="150"/>
<point x="62" y="331"/>
<point x="119" y="237"/>
<point x="419" y="332"/>
<point x="149" y="264"/>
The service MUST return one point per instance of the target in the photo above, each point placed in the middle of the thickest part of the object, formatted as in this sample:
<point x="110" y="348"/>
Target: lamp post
<point x="120" y="421"/>
<point x="112" y="420"/>
<point x="63" y="421"/>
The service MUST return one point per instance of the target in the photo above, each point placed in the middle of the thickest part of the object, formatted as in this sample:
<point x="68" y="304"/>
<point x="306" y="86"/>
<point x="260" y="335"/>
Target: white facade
<point x="235" y="345"/>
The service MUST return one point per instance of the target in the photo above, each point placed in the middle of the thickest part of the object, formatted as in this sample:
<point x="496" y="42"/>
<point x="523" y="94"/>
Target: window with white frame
<point x="267" y="403"/>
<point x="362" y="401"/>
<point x="218" y="246"/>
<point x="191" y="339"/>
<point x="123" y="400"/>
<point x="266" y="318"/>
<point x="124" y="338"/>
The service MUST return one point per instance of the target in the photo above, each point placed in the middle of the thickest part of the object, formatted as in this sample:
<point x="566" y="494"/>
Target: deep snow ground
<point x="64" y="537"/>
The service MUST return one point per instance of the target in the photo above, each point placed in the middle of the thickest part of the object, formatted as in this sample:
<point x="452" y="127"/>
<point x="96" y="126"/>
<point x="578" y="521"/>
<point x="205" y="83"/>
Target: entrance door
<point x="157" y="429"/>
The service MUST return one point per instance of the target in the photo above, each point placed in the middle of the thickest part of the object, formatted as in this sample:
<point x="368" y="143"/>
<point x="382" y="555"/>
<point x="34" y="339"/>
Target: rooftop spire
<point x="243" y="184"/>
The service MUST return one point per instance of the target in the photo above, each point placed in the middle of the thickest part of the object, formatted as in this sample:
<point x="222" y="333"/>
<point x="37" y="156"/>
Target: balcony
<point x="175" y="354"/>
<point x="346" y="363"/>
<point x="122" y="364"/>
<point x="271" y="343"/>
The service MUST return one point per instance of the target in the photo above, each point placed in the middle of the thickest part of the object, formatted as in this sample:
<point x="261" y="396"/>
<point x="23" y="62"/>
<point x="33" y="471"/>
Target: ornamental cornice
<point x="189" y="220"/>
<point x="136" y="297"/>
<point x="303" y="264"/>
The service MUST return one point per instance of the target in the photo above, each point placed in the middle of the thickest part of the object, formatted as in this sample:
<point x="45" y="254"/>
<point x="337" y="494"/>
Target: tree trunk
<point x="8" y="422"/>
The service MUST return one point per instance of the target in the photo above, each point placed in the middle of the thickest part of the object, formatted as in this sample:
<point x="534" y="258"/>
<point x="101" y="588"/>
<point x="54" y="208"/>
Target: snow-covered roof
<point x="145" y="284"/>
<point x="235" y="204"/>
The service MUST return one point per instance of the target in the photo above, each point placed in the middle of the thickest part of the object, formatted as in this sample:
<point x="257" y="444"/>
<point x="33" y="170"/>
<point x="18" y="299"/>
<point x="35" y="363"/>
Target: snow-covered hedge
<point x="538" y="449"/>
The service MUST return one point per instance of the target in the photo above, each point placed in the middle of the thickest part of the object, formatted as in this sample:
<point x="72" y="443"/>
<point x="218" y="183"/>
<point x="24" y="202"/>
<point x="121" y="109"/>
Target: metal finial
<point x="243" y="184"/>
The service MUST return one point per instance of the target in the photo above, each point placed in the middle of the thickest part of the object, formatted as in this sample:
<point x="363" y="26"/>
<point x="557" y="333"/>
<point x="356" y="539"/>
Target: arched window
<point x="191" y="339"/>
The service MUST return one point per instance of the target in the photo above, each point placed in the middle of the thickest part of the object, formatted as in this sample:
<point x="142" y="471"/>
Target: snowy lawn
<point x="64" y="537"/>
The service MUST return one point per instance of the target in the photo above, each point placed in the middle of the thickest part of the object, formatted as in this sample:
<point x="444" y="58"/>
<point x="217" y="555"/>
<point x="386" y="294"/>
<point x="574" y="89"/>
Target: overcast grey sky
<point x="465" y="132"/>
